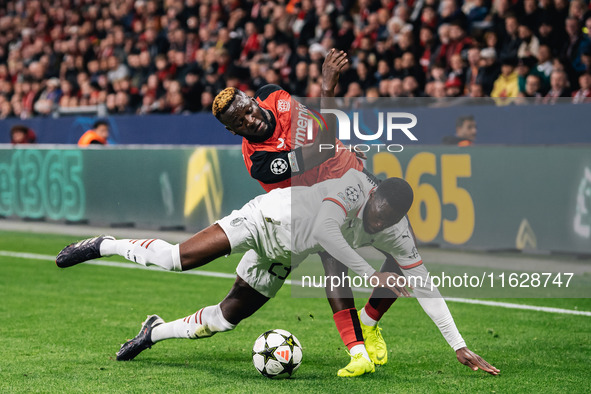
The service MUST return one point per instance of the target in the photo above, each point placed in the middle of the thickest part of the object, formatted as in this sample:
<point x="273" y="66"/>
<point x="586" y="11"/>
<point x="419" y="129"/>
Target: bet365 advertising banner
<point x="526" y="198"/>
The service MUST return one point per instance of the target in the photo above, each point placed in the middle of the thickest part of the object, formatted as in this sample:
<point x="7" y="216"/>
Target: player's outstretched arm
<point x="474" y="361"/>
<point x="331" y="68"/>
<point x="312" y="154"/>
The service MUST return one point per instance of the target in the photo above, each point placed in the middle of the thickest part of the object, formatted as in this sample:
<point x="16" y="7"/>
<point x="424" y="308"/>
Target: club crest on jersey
<point x="279" y="166"/>
<point x="352" y="193"/>
<point x="283" y="105"/>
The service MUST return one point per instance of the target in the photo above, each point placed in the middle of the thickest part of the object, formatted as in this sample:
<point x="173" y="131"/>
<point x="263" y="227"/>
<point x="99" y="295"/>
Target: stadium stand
<point x="173" y="56"/>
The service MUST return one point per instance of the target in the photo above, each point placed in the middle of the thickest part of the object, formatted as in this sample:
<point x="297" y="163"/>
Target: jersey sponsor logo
<point x="237" y="221"/>
<point x="281" y="143"/>
<point x="283" y="105"/>
<point x="279" y="166"/>
<point x="303" y="125"/>
<point x="352" y="193"/>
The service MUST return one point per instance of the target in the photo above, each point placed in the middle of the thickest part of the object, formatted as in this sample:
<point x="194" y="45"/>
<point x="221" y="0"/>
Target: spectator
<point x="410" y="87"/>
<point x="49" y="97"/>
<point x="506" y="85"/>
<point x="465" y="132"/>
<point x="5" y="108"/>
<point x="476" y="12"/>
<point x="583" y="95"/>
<point x="544" y="67"/>
<point x="548" y="36"/>
<point x="396" y="89"/>
<point x="427" y="44"/>
<point x="533" y="86"/>
<point x="192" y="90"/>
<point x="20" y="134"/>
<point x="98" y="135"/>
<point x="524" y="67"/>
<point x="491" y="40"/>
<point x="438" y="90"/>
<point x="453" y="86"/>
<point x="530" y="44"/>
<point x="558" y="87"/>
<point x="116" y="69"/>
<point x="458" y="42"/>
<point x="457" y="69"/>
<point x="489" y="71"/>
<point x="576" y="44"/>
<point x="586" y="59"/>
<point x="299" y="82"/>
<point x="475" y="91"/>
<point x="532" y="15"/>
<point x="102" y="53"/>
<point x="511" y="41"/>
<point x="473" y="66"/>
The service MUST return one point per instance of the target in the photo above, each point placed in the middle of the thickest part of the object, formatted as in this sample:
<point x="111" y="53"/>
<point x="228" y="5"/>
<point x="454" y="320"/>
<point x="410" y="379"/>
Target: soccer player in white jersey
<point x="278" y="230"/>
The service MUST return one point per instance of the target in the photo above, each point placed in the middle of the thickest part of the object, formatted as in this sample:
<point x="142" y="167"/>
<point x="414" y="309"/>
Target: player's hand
<point x="474" y="361"/>
<point x="389" y="280"/>
<point x="361" y="155"/>
<point x="332" y="66"/>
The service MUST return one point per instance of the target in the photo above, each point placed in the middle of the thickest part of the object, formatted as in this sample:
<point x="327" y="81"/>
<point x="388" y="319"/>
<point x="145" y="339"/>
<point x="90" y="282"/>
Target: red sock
<point x="376" y="308"/>
<point x="347" y="323"/>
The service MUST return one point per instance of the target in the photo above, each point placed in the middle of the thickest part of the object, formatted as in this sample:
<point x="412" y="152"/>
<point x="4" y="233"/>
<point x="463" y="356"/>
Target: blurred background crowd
<point x="173" y="56"/>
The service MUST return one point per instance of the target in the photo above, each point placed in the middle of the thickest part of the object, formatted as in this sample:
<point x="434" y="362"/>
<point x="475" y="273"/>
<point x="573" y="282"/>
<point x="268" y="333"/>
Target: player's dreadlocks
<point x="222" y="101"/>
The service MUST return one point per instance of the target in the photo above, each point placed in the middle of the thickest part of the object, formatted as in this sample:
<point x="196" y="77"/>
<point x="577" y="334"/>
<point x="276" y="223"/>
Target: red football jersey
<point x="272" y="162"/>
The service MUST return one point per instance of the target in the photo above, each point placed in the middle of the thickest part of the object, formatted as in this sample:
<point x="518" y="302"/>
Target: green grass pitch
<point x="60" y="329"/>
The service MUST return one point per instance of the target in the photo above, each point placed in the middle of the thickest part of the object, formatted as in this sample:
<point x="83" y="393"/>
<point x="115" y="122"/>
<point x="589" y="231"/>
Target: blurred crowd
<point x="173" y="56"/>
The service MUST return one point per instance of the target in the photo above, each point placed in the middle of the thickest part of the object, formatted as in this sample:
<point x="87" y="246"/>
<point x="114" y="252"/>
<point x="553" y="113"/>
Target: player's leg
<point x="241" y="302"/>
<point x="237" y="232"/>
<point x="200" y="249"/>
<point x="346" y="319"/>
<point x="380" y="301"/>
<point x="378" y="304"/>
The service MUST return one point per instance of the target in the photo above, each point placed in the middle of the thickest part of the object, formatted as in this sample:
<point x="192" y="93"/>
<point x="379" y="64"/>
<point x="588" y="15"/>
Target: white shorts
<point x="262" y="229"/>
<point x="263" y="275"/>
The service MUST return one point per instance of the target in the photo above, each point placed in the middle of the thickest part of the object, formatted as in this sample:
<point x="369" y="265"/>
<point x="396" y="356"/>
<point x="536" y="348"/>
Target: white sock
<point x="201" y="324"/>
<point x="365" y="319"/>
<point x="145" y="252"/>
<point x="357" y="349"/>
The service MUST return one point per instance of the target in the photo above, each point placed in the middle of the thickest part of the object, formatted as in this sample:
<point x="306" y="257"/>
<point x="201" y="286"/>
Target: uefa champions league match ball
<point x="277" y="354"/>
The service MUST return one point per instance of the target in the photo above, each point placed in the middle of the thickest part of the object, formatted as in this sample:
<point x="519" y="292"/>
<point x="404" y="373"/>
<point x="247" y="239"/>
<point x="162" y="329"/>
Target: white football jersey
<point x="349" y="194"/>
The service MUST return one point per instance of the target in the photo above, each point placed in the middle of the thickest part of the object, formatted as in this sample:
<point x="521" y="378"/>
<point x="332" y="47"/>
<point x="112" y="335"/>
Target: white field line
<point x="104" y="263"/>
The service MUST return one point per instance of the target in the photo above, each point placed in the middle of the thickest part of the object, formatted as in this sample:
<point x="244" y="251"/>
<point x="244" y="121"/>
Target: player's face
<point x="468" y="130"/>
<point x="378" y="215"/>
<point x="247" y="119"/>
<point x="102" y="130"/>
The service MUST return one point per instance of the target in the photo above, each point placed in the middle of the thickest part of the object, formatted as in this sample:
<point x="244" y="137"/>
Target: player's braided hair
<point x="223" y="100"/>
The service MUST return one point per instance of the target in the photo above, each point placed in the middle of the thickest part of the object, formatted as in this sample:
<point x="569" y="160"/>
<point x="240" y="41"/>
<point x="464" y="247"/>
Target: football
<point x="277" y="354"/>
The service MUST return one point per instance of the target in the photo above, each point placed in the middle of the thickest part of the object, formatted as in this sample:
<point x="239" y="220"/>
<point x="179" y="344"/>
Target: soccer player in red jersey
<point x="278" y="154"/>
